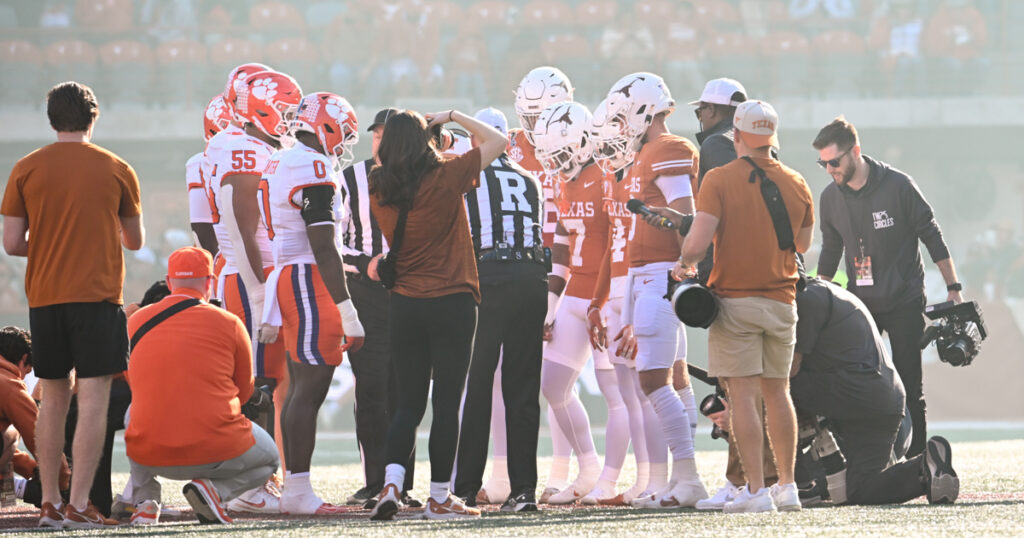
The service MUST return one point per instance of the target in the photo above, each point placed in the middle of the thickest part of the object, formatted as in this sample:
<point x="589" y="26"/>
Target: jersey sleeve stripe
<point x="297" y="188"/>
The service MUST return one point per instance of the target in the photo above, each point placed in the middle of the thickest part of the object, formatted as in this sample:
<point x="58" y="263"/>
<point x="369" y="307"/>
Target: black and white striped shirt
<point x="361" y="236"/>
<point x="506" y="207"/>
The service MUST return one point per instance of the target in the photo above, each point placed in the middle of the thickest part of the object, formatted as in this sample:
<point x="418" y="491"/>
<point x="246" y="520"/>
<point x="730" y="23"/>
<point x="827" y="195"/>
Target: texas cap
<point x="757" y="122"/>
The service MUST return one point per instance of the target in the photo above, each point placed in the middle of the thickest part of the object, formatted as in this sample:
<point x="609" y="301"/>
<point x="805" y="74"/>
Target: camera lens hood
<point x="694" y="304"/>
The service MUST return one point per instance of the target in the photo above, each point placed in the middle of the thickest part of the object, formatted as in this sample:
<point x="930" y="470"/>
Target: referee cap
<point x="381" y="118"/>
<point x="189" y="262"/>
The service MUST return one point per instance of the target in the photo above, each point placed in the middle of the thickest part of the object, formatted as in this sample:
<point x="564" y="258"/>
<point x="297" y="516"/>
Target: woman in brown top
<point x="434" y="299"/>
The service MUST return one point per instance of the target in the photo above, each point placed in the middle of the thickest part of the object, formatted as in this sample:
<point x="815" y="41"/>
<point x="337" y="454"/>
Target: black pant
<point x="120" y="398"/>
<point x="430" y="337"/>
<point x="376" y="382"/>
<point x="905" y="327"/>
<point x="866" y="444"/>
<point x="511" y="323"/>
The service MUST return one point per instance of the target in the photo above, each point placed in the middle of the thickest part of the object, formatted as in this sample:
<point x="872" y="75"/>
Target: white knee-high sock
<point x="558" y="385"/>
<point x="616" y="430"/>
<point x="561" y="451"/>
<point x="686" y="395"/>
<point x="675" y="421"/>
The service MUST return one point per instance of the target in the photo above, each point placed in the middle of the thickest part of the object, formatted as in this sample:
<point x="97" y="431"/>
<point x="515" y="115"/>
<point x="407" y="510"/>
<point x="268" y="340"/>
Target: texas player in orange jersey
<point x="659" y="169"/>
<point x="581" y="238"/>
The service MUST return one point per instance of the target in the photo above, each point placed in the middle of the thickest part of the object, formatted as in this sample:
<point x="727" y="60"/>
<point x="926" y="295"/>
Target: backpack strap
<point x="160" y="318"/>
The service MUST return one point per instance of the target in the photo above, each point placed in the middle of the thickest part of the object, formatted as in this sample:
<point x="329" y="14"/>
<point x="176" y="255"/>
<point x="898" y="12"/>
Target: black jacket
<point x="716" y="148"/>
<point x="890" y="215"/>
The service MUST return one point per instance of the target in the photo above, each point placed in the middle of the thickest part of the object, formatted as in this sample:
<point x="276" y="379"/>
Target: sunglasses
<point x="834" y="163"/>
<point x="699" y="109"/>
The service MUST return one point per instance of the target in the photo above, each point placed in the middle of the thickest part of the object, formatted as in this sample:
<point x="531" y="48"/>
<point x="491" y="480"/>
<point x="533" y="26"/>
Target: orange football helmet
<point x="268" y="100"/>
<point x="332" y="119"/>
<point x="235" y="79"/>
<point x="217" y="117"/>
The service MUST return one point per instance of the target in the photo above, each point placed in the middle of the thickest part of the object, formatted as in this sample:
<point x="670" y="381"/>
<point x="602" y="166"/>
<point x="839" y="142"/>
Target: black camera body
<point x="693" y="302"/>
<point x="711" y="404"/>
<point x="958" y="331"/>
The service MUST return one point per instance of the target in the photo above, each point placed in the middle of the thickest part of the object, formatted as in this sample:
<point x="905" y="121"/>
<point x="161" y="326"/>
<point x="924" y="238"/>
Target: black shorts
<point x="92" y="338"/>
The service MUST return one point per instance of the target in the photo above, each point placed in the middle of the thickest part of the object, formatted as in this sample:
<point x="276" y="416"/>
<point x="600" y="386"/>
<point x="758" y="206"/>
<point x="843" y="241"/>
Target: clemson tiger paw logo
<point x="263" y="89"/>
<point x="337" y="110"/>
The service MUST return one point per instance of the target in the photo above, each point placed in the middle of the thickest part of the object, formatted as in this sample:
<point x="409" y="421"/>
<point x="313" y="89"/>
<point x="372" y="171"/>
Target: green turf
<point x="991" y="474"/>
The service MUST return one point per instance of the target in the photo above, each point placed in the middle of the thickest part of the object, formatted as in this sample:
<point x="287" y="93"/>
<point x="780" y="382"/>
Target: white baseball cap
<point x="493" y="117"/>
<point x="757" y="123"/>
<point x="722" y="91"/>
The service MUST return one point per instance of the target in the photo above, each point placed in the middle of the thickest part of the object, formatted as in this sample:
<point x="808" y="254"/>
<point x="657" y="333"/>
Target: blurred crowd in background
<point x="378" y="51"/>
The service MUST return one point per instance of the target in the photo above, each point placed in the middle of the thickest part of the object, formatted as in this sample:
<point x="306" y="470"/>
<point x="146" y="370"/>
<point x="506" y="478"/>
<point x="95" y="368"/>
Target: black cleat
<point x="524" y="502"/>
<point x="364" y="494"/>
<point x="411" y="502"/>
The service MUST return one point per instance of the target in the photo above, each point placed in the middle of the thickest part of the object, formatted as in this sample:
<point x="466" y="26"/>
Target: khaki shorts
<point x="752" y="336"/>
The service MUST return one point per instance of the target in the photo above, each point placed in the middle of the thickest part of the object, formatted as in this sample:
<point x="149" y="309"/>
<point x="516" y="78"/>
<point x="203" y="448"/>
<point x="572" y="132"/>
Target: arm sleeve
<point x="131" y="205"/>
<point x="674" y="187"/>
<point x="318" y="204"/>
<point x="831" y="243"/>
<point x="919" y="213"/>
<point x="243" y="362"/>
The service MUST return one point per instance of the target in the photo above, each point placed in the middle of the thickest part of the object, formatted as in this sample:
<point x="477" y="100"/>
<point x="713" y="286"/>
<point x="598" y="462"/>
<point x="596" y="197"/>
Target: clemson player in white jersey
<point x="659" y="169"/>
<point x="216" y="118"/>
<point x="236" y="159"/>
<point x="302" y="210"/>
<point x="561" y="135"/>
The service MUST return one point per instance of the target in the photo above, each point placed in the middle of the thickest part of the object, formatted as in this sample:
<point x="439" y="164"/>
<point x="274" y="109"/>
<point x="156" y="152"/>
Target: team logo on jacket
<point x="516" y="153"/>
<point x="882" y="219"/>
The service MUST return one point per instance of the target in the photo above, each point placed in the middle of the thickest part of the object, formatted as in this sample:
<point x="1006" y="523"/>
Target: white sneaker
<point x="682" y="495"/>
<point x="786" y="498"/>
<point x="724" y="494"/>
<point x="746" y="502"/>
<point x="146" y="513"/>
<point x="310" y="504"/>
<point x="259" y="500"/>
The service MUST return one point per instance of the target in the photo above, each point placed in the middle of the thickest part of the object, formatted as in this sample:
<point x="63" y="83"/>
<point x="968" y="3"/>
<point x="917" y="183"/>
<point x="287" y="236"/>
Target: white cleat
<point x="649" y="495"/>
<point x="548" y="492"/>
<point x="600" y="493"/>
<point x="261" y="500"/>
<point x="682" y="495"/>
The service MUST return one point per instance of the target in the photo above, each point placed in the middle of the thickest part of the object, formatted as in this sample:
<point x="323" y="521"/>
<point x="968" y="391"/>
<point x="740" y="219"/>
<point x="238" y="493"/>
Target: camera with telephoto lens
<point x="958" y="331"/>
<point x="693" y="302"/>
<point x="443" y="138"/>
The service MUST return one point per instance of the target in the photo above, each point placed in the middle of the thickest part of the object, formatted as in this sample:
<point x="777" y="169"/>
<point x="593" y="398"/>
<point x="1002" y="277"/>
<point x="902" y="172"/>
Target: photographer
<point x="877" y="215"/>
<point x="417" y="198"/>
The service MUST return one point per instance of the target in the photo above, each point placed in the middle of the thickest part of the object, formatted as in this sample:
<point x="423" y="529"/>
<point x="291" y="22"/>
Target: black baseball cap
<point x="382" y="117"/>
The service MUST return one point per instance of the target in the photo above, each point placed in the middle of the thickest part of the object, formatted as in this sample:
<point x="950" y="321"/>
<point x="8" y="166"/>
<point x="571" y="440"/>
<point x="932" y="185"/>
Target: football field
<point x="991" y="502"/>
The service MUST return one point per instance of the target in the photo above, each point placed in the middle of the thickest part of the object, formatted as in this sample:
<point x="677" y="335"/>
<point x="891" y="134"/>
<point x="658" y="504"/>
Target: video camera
<point x="958" y="331"/>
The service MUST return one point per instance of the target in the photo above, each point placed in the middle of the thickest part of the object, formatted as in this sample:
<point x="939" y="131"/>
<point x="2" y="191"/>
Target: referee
<point x="505" y="217"/>
<point x="363" y="246"/>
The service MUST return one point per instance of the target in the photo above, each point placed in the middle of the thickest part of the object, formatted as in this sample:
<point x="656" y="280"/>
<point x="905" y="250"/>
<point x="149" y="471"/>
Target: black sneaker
<point x="364" y="494"/>
<point x="941" y="483"/>
<point x="469" y="500"/>
<point x="370" y="503"/>
<point x="410" y="502"/>
<point x="524" y="502"/>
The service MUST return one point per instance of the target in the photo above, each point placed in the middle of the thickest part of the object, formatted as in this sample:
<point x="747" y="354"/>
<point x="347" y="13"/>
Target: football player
<point x="563" y="147"/>
<point x="216" y="118"/>
<point x="541" y="87"/>
<point x="235" y="159"/>
<point x="659" y="169"/>
<point x="301" y="211"/>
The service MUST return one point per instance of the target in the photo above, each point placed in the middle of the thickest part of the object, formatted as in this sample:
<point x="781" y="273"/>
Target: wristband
<point x="350" y="319"/>
<point x="956" y="286"/>
<point x="450" y="112"/>
<point x="552" y="307"/>
<point x="561" y="271"/>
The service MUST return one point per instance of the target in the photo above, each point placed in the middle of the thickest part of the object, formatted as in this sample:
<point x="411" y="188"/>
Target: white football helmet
<point x="541" y="87"/>
<point x="561" y="137"/>
<point x="613" y="150"/>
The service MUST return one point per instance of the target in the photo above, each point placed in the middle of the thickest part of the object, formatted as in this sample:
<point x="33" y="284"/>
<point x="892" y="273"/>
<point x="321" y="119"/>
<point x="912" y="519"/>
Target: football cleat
<point x="261" y="500"/>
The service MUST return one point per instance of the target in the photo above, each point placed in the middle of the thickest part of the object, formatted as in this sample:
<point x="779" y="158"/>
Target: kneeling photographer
<point x="843" y="372"/>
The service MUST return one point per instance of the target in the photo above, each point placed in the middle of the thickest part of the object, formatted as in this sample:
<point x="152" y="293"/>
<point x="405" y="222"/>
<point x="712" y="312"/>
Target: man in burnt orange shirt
<point x="186" y="427"/>
<point x="751" y="341"/>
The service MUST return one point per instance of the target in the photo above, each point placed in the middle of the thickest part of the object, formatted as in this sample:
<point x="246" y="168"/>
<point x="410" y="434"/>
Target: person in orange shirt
<point x="188" y="427"/>
<point x="18" y="409"/>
